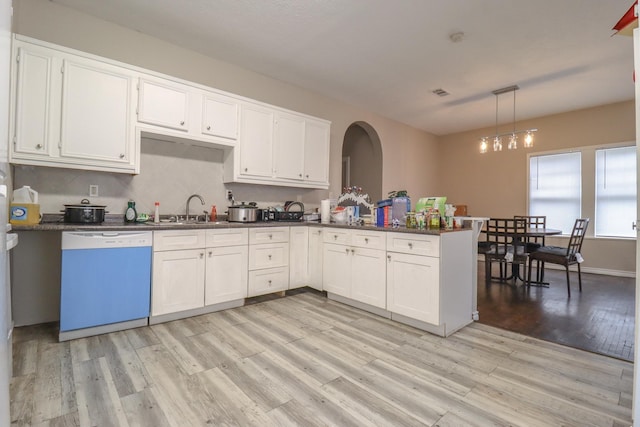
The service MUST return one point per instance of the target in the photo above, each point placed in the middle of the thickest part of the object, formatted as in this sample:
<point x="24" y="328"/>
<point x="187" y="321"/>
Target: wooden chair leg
<point x="529" y="274"/>
<point x="487" y="270"/>
<point x="568" y="284"/>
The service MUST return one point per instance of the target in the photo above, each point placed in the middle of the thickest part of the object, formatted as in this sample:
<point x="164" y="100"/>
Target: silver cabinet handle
<point x="208" y="127"/>
<point x="389" y="258"/>
<point x="270" y="236"/>
<point x="307" y="176"/>
<point x="201" y="255"/>
<point x="39" y="146"/>
<point x="366" y="240"/>
<point x="122" y="155"/>
<point x="182" y="123"/>
<point x="210" y="254"/>
<point x="269" y="257"/>
<point x="347" y="251"/>
<point x="300" y="175"/>
<point x="269" y="283"/>
<point x="335" y="237"/>
<point x="246" y="169"/>
<point x="410" y="245"/>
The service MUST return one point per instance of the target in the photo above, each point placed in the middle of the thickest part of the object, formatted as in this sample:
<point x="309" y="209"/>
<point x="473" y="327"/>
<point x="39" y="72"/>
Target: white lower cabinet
<point x="178" y="281"/>
<point x="355" y="268"/>
<point x="226" y="265"/>
<point x="193" y="269"/>
<point x="314" y="267"/>
<point x="299" y="259"/>
<point x="413" y="286"/>
<point x="268" y="260"/>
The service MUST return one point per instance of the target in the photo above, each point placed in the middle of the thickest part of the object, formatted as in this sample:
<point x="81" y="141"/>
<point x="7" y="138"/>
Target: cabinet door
<point x="226" y="274"/>
<point x="163" y="104"/>
<point x="316" y="151"/>
<point x="178" y="281"/>
<point x="96" y="112"/>
<point x="256" y="141"/>
<point x="413" y="286"/>
<point x="368" y="277"/>
<point x="298" y="257"/>
<point x="289" y="146"/>
<point x="315" y="258"/>
<point x="336" y="269"/>
<point x="33" y="92"/>
<point x="220" y="116"/>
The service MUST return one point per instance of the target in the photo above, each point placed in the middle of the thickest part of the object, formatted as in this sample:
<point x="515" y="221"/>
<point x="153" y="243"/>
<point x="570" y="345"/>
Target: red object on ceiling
<point x="628" y="22"/>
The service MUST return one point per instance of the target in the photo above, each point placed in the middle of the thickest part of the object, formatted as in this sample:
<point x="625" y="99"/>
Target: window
<point x="555" y="188"/>
<point x="615" y="208"/>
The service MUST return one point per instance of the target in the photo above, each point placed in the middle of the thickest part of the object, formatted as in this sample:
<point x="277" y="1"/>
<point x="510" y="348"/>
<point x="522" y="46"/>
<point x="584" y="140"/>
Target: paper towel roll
<point x="325" y="211"/>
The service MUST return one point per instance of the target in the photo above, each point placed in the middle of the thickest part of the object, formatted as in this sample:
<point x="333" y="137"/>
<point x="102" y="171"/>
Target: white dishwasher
<point x="105" y="283"/>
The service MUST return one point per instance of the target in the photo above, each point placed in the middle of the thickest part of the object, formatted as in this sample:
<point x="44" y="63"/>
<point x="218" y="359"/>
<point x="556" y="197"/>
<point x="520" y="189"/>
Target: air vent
<point x="440" y="92"/>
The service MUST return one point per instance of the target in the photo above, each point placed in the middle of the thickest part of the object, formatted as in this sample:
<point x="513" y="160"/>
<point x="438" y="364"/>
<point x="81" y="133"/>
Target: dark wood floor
<point x="599" y="319"/>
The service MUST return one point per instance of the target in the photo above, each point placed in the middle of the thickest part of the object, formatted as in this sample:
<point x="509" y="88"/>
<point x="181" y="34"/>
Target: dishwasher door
<point x="106" y="280"/>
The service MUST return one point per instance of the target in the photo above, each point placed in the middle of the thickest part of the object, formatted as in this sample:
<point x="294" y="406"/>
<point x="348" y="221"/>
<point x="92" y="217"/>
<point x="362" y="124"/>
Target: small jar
<point x="411" y="220"/>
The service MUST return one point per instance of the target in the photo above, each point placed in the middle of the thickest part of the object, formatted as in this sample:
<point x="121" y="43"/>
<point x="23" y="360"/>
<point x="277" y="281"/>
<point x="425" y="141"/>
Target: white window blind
<point x="615" y="192"/>
<point x="555" y="189"/>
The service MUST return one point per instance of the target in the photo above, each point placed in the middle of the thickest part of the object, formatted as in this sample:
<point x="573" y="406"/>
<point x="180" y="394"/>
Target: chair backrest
<point x="534" y="221"/>
<point x="504" y="233"/>
<point x="577" y="236"/>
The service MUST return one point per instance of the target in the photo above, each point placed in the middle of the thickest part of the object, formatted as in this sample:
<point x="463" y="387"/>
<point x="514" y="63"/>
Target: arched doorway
<point x="362" y="160"/>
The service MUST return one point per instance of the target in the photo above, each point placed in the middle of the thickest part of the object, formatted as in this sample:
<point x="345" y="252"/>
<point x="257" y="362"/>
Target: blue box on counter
<point x="380" y="217"/>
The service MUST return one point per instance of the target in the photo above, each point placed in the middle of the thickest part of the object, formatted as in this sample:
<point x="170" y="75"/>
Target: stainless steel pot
<point x="84" y="213"/>
<point x="243" y="213"/>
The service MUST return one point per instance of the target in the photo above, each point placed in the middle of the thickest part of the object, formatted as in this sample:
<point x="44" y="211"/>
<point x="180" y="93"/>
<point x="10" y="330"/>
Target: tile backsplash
<point x="169" y="173"/>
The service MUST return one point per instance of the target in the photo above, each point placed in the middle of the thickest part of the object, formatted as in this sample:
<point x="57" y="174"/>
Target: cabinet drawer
<point x="167" y="240"/>
<point x="269" y="280"/>
<point x="227" y="237"/>
<point x="269" y="235"/>
<point x="268" y="255"/>
<point x="368" y="239"/>
<point x="336" y="235"/>
<point x="414" y="244"/>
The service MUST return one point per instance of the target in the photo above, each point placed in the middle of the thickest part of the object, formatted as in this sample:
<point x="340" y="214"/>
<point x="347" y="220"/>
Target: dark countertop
<point x="52" y="222"/>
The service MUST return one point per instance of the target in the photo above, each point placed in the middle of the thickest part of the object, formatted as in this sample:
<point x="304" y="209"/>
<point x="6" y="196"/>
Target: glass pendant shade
<point x="483" y="145"/>
<point x="497" y="144"/>
<point x="513" y="142"/>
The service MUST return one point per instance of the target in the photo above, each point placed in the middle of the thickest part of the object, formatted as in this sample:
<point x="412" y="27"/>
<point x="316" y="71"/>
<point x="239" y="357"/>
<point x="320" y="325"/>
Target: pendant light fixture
<point x="513" y="135"/>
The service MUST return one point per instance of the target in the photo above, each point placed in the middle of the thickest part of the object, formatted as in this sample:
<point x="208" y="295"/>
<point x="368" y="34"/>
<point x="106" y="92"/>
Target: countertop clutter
<point x="54" y="222"/>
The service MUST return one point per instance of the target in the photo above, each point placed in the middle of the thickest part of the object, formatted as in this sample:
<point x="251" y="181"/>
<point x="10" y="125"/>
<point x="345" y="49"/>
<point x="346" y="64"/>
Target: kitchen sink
<point x="190" y="222"/>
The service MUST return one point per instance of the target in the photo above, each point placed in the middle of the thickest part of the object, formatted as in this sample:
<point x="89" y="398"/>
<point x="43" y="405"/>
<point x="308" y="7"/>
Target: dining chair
<point x="563" y="256"/>
<point x="535" y="242"/>
<point x="505" y="246"/>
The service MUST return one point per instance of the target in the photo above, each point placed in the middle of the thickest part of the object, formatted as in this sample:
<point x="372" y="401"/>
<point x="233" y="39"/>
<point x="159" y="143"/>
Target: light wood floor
<point x="304" y="360"/>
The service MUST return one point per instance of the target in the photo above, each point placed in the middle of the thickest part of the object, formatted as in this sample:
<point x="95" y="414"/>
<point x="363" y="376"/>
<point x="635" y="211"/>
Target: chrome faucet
<point x="189" y="201"/>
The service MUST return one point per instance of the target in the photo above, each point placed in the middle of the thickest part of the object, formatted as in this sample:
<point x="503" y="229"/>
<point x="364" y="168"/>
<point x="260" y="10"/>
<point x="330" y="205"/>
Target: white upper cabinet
<point x="170" y="109"/>
<point x="256" y="141"/>
<point x="316" y="151"/>
<point x="164" y="104"/>
<point x="70" y="111"/>
<point x="101" y="131"/>
<point x="32" y="113"/>
<point x="289" y="146"/>
<point x="279" y="147"/>
<point x="220" y="116"/>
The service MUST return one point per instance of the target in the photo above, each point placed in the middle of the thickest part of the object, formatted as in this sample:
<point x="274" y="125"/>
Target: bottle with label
<point x="214" y="214"/>
<point x="156" y="214"/>
<point x="130" y="215"/>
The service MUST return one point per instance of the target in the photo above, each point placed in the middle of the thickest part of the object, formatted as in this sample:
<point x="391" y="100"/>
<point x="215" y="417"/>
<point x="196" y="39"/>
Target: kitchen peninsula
<point x="418" y="277"/>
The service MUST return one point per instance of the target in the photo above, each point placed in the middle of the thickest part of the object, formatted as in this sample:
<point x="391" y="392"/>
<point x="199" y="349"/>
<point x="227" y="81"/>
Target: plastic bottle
<point x="156" y="214"/>
<point x="214" y="214"/>
<point x="25" y="194"/>
<point x="130" y="215"/>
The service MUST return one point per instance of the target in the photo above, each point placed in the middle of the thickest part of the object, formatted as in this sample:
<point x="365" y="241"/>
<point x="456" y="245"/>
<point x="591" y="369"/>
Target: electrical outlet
<point x="229" y="195"/>
<point x="93" y="191"/>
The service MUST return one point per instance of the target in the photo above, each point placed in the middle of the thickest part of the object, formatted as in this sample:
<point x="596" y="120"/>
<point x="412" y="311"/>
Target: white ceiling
<point x="387" y="56"/>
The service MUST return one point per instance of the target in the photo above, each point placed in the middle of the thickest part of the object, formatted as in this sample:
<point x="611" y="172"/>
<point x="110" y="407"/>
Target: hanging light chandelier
<point x="513" y="134"/>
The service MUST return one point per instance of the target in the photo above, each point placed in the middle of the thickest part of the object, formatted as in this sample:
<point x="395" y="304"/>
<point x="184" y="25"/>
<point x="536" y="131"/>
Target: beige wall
<point x="51" y="22"/>
<point x="495" y="184"/>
